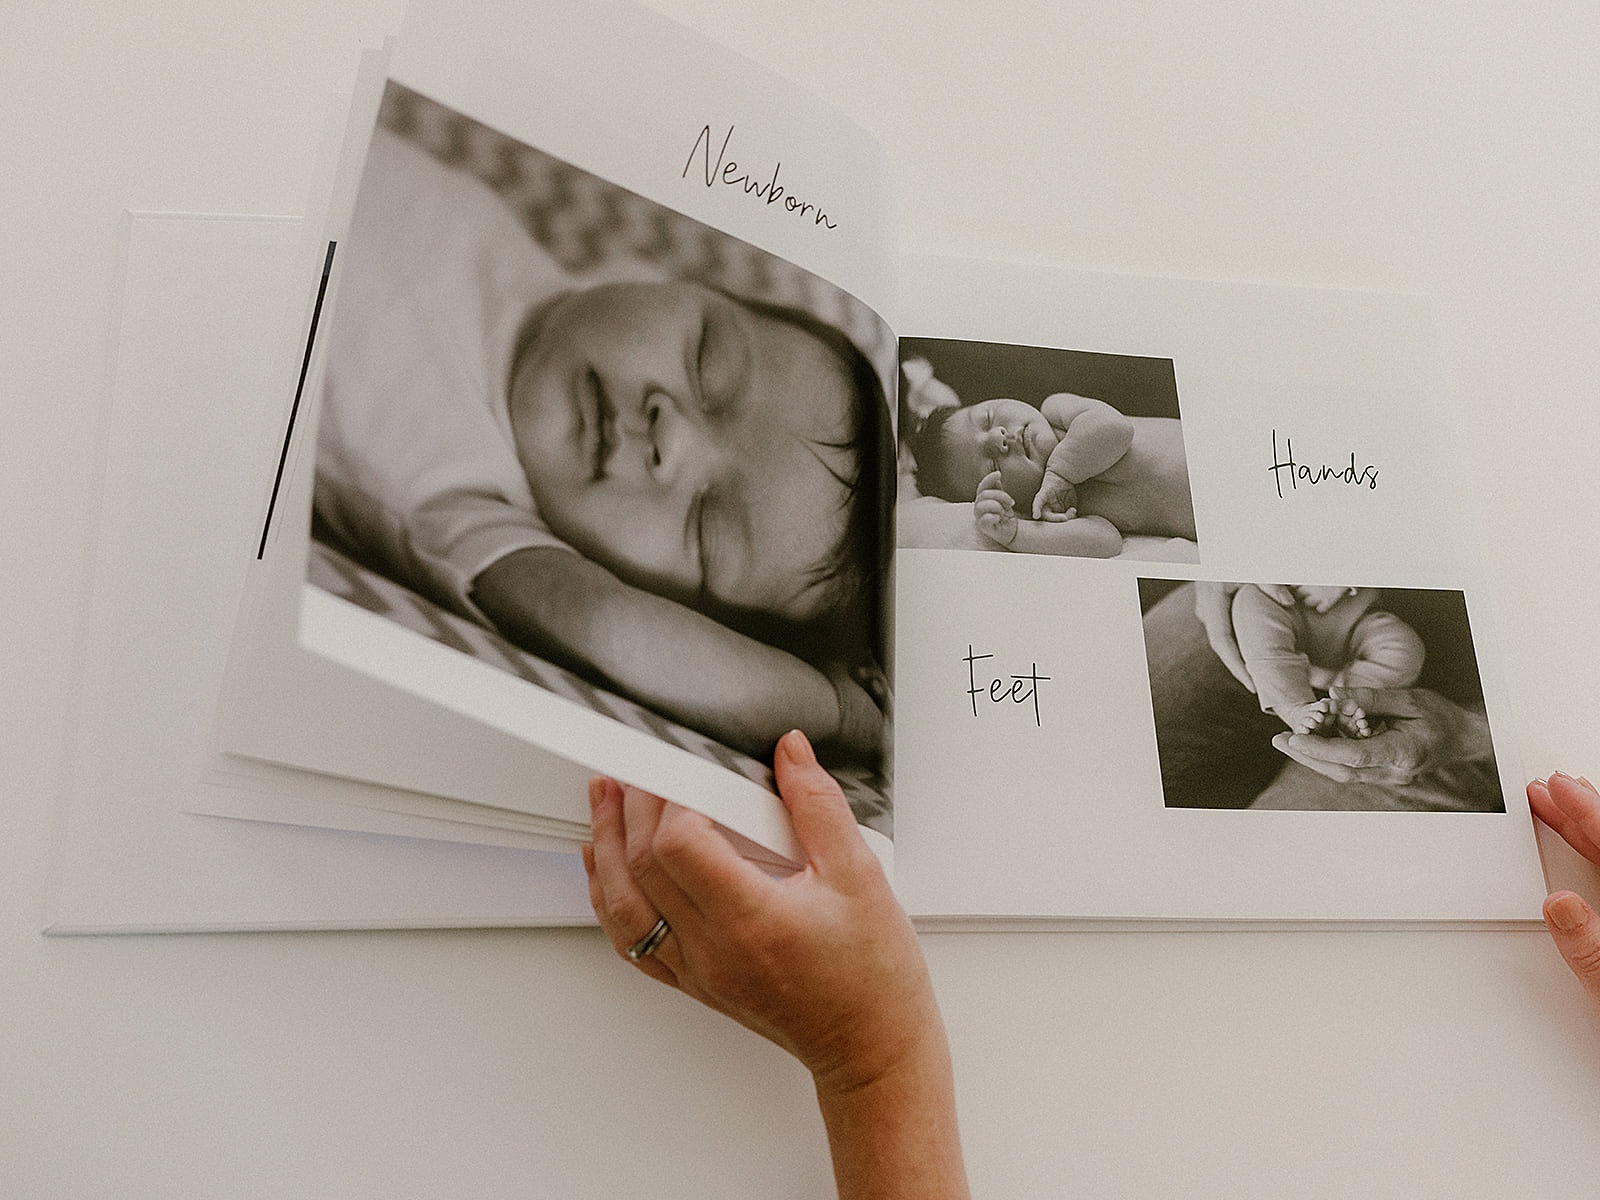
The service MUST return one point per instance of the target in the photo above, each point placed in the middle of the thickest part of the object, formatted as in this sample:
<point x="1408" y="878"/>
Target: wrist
<point x="894" y="1135"/>
<point x="886" y="1074"/>
<point x="894" y="1038"/>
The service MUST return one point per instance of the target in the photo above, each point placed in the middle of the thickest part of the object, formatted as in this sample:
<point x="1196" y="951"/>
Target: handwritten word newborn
<point x="729" y="172"/>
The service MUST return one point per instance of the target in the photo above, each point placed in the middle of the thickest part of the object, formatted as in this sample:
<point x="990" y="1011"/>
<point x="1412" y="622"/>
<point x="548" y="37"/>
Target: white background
<point x="1365" y="145"/>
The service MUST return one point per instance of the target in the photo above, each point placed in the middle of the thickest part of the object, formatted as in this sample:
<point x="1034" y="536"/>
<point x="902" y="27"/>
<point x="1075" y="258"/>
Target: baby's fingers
<point x="990" y="482"/>
<point x="995" y="502"/>
<point x="1070" y="515"/>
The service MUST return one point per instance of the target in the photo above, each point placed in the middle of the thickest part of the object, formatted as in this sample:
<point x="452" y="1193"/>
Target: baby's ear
<point x="923" y="393"/>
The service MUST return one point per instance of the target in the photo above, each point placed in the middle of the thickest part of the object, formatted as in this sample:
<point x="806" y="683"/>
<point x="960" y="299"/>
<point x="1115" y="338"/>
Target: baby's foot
<point x="1315" y="716"/>
<point x="1350" y="719"/>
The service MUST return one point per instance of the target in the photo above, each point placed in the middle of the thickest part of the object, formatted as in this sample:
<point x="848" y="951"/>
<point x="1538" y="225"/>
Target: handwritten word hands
<point x="1057" y="499"/>
<point x="994" y="511"/>
<point x="1572" y="808"/>
<point x="1213" y="605"/>
<point x="1418" y="731"/>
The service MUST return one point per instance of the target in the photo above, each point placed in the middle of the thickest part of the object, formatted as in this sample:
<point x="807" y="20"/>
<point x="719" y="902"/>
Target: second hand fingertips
<point x="1566" y="911"/>
<point x="1563" y="780"/>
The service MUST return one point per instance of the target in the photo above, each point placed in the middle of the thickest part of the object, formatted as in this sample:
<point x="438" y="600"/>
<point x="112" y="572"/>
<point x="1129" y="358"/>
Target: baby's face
<point x="688" y="444"/>
<point x="998" y="435"/>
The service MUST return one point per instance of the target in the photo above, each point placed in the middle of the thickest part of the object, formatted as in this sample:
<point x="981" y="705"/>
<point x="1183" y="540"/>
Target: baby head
<point x="1321" y="598"/>
<point x="704" y="448"/>
<point x="956" y="447"/>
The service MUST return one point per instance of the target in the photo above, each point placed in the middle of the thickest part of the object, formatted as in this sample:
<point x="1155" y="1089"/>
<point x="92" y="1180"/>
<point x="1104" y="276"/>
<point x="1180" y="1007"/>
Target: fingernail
<point x="1566" y="911"/>
<point x="1576" y="781"/>
<point x="798" y="748"/>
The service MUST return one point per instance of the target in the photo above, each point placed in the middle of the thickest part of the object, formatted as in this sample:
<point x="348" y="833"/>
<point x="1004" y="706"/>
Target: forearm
<point x="1081" y="537"/>
<point x="896" y="1138"/>
<point x="741" y="691"/>
<point x="1094" y="436"/>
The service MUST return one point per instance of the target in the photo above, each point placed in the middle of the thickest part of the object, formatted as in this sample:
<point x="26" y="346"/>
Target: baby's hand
<point x="1057" y="499"/>
<point x="994" y="511"/>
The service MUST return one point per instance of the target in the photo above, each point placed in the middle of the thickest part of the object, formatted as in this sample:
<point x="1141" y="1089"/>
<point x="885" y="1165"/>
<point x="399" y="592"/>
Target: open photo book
<point x="625" y="437"/>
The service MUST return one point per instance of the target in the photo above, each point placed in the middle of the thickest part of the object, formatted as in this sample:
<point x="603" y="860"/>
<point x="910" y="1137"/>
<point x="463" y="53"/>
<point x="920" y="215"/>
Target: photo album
<point x="626" y="436"/>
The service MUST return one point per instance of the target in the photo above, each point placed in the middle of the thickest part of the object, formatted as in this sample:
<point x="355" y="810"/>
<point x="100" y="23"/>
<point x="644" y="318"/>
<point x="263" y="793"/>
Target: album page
<point x="1188" y="627"/>
<point x="592" y="468"/>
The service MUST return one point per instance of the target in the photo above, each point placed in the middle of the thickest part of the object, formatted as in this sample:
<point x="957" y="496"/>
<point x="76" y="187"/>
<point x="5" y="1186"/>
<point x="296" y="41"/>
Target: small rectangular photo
<point x="600" y="446"/>
<point x="1317" y="697"/>
<point x="1036" y="450"/>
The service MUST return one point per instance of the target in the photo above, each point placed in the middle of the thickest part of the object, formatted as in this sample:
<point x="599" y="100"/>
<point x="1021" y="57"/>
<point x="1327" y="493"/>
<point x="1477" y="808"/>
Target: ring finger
<point x="626" y="914"/>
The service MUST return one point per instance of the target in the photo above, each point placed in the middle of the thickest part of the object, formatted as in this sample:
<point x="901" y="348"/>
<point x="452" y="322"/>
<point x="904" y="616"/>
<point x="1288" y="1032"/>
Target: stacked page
<point x="625" y="438"/>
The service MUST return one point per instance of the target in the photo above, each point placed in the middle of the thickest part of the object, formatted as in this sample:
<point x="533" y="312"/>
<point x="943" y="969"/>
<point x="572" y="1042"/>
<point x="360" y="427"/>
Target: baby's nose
<point x="995" y="441"/>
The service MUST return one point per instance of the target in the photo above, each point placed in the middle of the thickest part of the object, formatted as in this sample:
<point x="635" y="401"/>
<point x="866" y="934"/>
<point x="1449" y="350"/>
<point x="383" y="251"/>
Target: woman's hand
<point x="822" y="962"/>
<point x="1572" y="808"/>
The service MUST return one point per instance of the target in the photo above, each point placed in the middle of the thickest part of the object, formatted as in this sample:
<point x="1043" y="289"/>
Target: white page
<point x="604" y="88"/>
<point x="201" y="300"/>
<point x="1054" y="806"/>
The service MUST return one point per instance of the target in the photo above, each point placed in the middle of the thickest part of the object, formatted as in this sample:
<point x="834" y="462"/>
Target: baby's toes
<point x="1353" y="721"/>
<point x="1309" y="718"/>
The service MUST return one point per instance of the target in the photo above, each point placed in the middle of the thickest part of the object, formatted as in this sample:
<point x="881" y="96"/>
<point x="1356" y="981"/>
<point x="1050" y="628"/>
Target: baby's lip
<point x="599" y="420"/>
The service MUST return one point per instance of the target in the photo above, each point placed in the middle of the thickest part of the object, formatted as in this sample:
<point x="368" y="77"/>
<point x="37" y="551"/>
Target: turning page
<point x="593" y="467"/>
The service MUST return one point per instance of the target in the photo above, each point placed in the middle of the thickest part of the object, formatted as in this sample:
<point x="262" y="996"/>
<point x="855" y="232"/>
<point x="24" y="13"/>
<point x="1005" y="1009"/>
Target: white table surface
<point x="1356" y="145"/>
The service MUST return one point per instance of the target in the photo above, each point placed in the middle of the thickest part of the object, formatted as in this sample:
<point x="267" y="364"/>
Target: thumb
<point x="822" y="819"/>
<point x="1576" y="930"/>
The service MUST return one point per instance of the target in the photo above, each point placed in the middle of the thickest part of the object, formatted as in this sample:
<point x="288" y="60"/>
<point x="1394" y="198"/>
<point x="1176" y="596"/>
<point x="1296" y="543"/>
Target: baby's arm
<point x="558" y="604"/>
<point x="1067" y="534"/>
<point x="1269" y="641"/>
<point x="1094" y="436"/>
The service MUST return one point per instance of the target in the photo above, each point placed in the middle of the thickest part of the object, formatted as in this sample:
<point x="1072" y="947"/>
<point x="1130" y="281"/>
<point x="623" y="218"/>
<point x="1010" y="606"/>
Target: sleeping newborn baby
<point x="1085" y="473"/>
<point x="648" y="481"/>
